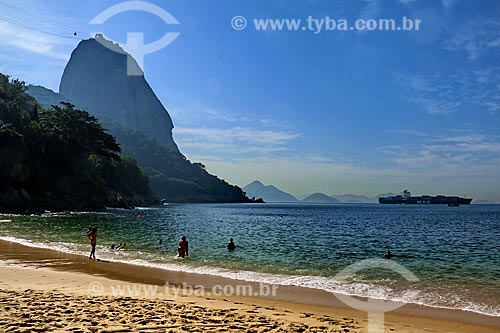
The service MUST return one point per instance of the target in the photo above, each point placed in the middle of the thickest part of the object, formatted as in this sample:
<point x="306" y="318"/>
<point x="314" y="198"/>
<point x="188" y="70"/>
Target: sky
<point x="333" y="111"/>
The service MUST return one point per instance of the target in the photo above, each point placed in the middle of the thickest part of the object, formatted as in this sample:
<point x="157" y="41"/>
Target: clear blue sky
<point x="335" y="111"/>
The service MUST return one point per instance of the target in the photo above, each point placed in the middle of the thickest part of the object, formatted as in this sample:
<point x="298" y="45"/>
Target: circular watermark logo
<point x="95" y="289"/>
<point x="238" y="23"/>
<point x="374" y="307"/>
<point x="135" y="40"/>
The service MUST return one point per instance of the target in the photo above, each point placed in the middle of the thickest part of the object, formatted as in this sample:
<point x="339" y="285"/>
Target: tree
<point x="61" y="156"/>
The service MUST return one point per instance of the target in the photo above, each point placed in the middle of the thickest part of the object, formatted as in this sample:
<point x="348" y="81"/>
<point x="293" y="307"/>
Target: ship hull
<point x="425" y="200"/>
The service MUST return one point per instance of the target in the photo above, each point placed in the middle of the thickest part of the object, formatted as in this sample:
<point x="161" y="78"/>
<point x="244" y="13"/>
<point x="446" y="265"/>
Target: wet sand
<point x="45" y="290"/>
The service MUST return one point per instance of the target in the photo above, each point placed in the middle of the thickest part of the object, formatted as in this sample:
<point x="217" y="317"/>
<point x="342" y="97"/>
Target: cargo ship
<point x="406" y="198"/>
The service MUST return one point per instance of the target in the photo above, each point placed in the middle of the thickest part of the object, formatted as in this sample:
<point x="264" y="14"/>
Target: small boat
<point x="454" y="204"/>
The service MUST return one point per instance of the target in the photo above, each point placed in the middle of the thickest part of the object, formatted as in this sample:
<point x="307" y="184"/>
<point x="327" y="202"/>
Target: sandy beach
<point x="43" y="290"/>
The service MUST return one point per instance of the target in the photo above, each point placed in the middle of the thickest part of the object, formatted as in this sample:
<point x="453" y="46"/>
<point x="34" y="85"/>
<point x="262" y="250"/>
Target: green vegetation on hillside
<point x="172" y="177"/>
<point x="60" y="158"/>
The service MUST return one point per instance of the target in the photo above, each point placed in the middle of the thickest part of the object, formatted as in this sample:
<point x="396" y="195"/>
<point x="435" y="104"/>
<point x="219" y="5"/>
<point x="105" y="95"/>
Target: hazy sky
<point x="335" y="111"/>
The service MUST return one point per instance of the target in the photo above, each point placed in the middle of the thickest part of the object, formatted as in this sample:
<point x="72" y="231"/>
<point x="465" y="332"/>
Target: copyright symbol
<point x="96" y="289"/>
<point x="239" y="23"/>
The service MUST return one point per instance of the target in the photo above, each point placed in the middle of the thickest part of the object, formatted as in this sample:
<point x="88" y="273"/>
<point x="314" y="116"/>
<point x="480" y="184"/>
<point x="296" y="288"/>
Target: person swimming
<point x="388" y="254"/>
<point x="183" y="247"/>
<point x="230" y="245"/>
<point x="118" y="247"/>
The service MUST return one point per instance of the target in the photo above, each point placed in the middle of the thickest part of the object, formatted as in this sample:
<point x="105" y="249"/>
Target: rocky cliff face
<point x="96" y="79"/>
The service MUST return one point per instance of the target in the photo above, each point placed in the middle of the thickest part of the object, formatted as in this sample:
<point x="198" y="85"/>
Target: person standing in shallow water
<point x="92" y="235"/>
<point x="183" y="248"/>
<point x="231" y="246"/>
<point x="388" y="254"/>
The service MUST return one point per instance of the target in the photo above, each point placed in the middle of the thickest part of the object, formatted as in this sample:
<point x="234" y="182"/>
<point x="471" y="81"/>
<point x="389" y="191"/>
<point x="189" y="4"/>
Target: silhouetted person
<point x="92" y="235"/>
<point x="388" y="254"/>
<point x="231" y="246"/>
<point x="183" y="248"/>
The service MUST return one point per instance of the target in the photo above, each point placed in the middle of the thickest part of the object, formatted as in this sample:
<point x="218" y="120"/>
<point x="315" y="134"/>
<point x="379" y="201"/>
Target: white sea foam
<point x="315" y="282"/>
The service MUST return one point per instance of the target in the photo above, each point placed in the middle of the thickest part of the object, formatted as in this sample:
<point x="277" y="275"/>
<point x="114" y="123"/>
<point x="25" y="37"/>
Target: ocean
<point x="453" y="251"/>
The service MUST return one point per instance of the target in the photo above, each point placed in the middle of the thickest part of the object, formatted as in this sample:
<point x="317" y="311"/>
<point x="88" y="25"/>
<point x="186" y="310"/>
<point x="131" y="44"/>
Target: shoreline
<point x="17" y="256"/>
<point x="302" y="294"/>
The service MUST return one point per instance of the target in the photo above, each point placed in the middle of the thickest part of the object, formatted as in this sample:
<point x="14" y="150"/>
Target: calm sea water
<point x="454" y="251"/>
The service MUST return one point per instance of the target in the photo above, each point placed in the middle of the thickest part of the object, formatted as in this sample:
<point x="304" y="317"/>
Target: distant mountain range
<point x="319" y="198"/>
<point x="271" y="193"/>
<point x="353" y="198"/>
